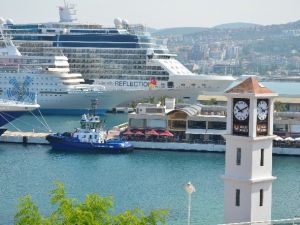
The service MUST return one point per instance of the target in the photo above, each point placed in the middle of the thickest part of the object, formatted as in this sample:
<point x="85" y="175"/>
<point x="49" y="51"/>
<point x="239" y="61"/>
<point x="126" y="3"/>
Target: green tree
<point x="151" y="99"/>
<point x="162" y="99"/>
<point x="279" y="106"/>
<point x="94" y="210"/>
<point x="179" y="101"/>
<point x="133" y="104"/>
<point x="212" y="101"/>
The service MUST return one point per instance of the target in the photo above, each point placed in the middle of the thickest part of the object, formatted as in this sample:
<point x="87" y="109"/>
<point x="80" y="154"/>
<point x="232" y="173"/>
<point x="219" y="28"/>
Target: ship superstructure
<point x="47" y="78"/>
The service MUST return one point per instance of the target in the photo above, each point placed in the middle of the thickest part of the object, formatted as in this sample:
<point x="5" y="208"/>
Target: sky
<point x="158" y="13"/>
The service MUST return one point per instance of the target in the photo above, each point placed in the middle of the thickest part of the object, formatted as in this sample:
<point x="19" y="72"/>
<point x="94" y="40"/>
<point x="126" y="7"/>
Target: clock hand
<point x="238" y="108"/>
<point x="264" y="110"/>
<point x="243" y="109"/>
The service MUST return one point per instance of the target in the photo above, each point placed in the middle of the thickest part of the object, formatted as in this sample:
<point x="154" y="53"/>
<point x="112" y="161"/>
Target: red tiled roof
<point x="250" y="85"/>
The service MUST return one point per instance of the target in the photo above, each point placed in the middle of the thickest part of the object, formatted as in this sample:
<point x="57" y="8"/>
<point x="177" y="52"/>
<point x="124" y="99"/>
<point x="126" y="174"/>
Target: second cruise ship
<point x="125" y="59"/>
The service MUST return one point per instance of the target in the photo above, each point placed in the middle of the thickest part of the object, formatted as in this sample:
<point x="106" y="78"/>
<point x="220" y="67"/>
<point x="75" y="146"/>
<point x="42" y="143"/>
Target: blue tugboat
<point x="90" y="137"/>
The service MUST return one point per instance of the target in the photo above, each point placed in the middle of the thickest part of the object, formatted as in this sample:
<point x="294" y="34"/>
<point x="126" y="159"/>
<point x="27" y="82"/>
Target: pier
<point x="24" y="137"/>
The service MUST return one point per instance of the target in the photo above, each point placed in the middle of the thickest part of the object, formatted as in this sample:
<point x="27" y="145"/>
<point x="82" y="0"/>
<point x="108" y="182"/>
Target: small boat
<point x="90" y="137"/>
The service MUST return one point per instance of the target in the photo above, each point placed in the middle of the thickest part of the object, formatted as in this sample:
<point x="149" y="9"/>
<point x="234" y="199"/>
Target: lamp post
<point x="190" y="189"/>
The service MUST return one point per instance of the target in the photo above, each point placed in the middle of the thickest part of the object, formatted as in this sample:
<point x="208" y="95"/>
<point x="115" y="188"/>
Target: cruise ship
<point x="125" y="59"/>
<point x="10" y="110"/>
<point x="47" y="78"/>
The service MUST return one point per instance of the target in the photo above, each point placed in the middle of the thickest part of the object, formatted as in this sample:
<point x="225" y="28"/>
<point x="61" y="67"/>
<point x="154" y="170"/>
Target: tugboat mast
<point x="94" y="105"/>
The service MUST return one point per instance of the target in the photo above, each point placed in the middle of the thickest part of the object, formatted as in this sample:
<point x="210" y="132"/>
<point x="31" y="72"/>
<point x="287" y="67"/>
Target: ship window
<point x="170" y="84"/>
<point x="95" y="136"/>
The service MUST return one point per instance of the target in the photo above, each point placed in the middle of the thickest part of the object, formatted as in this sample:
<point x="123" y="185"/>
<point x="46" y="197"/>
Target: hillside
<point x="239" y="25"/>
<point x="179" y="31"/>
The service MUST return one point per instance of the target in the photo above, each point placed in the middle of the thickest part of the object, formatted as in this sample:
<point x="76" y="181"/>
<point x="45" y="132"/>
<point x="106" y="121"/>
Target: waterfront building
<point x="192" y="123"/>
<point x="151" y="116"/>
<point x="201" y="127"/>
<point x="148" y="116"/>
<point x="248" y="161"/>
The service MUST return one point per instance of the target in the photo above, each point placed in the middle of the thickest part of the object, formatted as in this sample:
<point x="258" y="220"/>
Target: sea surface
<point x="144" y="179"/>
<point x="280" y="87"/>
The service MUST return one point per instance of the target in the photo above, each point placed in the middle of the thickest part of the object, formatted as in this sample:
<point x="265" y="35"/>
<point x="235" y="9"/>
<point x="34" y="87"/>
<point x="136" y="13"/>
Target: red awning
<point x="139" y="133"/>
<point x="152" y="132"/>
<point x="166" y="134"/>
<point x="128" y="132"/>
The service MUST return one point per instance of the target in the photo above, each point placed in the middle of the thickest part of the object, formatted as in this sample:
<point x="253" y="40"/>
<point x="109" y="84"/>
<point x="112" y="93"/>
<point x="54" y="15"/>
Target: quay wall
<point x="169" y="146"/>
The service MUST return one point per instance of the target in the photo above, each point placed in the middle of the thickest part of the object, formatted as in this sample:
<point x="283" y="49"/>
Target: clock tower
<point x="248" y="161"/>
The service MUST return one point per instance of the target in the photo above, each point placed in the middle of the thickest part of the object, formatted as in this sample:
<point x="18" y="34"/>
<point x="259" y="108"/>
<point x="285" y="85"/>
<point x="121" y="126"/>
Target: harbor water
<point x="144" y="179"/>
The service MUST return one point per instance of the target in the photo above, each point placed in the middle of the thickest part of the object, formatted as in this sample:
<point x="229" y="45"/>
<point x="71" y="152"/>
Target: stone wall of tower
<point x="249" y="193"/>
<point x="249" y="167"/>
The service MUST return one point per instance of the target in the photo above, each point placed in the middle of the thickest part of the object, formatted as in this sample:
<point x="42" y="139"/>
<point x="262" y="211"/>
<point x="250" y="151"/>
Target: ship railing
<point x="17" y="102"/>
<point x="293" y="221"/>
<point x="87" y="88"/>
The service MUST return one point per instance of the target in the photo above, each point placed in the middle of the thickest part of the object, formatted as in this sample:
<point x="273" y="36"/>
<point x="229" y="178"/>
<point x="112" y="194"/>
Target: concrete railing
<point x="294" y="221"/>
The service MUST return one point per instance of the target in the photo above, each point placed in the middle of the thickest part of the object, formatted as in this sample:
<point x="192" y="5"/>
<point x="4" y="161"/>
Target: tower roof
<point x="251" y="86"/>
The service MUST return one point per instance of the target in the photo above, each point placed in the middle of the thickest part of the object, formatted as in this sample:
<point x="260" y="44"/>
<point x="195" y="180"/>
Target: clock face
<point x="262" y="109"/>
<point x="241" y="110"/>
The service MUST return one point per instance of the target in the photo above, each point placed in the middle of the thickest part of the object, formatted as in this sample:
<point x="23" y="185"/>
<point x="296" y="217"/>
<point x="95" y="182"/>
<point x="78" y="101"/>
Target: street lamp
<point x="190" y="189"/>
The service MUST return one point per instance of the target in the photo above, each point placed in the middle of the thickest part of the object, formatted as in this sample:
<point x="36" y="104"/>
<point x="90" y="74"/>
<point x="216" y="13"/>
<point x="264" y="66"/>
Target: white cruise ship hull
<point x="76" y="103"/>
<point x="79" y="101"/>
<point x="110" y="99"/>
<point x="10" y="110"/>
<point x="57" y="98"/>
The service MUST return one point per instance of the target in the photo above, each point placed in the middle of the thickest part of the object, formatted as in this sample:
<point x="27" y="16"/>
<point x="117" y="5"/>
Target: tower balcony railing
<point x="293" y="221"/>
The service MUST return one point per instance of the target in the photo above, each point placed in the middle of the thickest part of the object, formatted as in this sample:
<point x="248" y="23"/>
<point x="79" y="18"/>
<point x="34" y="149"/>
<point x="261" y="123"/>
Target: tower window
<point x="238" y="156"/>
<point x="261" y="197"/>
<point x="237" y="197"/>
<point x="262" y="155"/>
